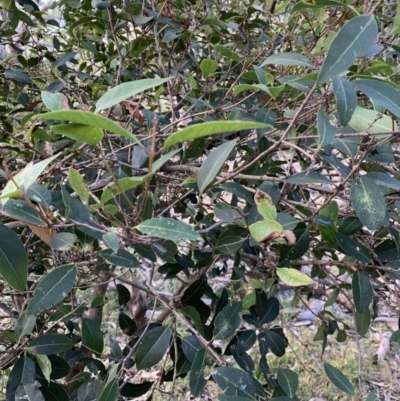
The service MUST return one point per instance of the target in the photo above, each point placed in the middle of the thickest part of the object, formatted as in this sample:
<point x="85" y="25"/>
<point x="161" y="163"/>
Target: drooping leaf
<point x="213" y="164"/>
<point x="338" y="379"/>
<point x="227" y="321"/>
<point x="381" y="92"/>
<point x="153" y="347"/>
<point x="368" y="202"/>
<point x="346" y="99"/>
<point x="362" y="291"/>
<point x="48" y="344"/>
<point x="126" y="90"/>
<point x="293" y="277"/>
<point x="326" y="131"/>
<point x="363" y="321"/>
<point x="52" y="289"/>
<point x="92" y="336"/>
<point x="210" y="128"/>
<point x="234" y="382"/>
<point x="89" y="119"/>
<point x="291" y="59"/>
<point x="288" y="380"/>
<point x="13" y="259"/>
<point x="353" y="40"/>
<point x="169" y="229"/>
<point x="197" y="382"/>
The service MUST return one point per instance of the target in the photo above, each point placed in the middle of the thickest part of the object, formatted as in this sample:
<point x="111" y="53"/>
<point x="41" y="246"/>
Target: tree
<point x="156" y="149"/>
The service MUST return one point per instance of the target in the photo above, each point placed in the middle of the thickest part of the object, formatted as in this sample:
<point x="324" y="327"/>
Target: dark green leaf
<point x="128" y="325"/>
<point x="196" y="380"/>
<point x="153" y="347"/>
<point x="52" y="289"/>
<point x="384" y="180"/>
<point x="288" y="380"/>
<point x="24" y="326"/>
<point x="195" y="291"/>
<point x="231" y="240"/>
<point x="238" y="190"/>
<point x="13" y="259"/>
<point x="65" y="58"/>
<point x="326" y="131"/>
<point x="54" y="392"/>
<point x="346" y="99"/>
<point x="363" y="321"/>
<point x="92" y="336"/>
<point x="24" y="371"/>
<point x="213" y="164"/>
<point x="191" y="313"/>
<point x="28" y="391"/>
<point x="170" y="229"/>
<point x="353" y="40"/>
<point x="234" y="382"/>
<point x="123" y="294"/>
<point x="135" y="390"/>
<point x="48" y="344"/>
<point x="227" y="321"/>
<point x="362" y="291"/>
<point x="270" y="312"/>
<point x="110" y="391"/>
<point x="368" y="202"/>
<point x="21" y="210"/>
<point x="353" y="248"/>
<point x="270" y="340"/>
<point x="338" y="379"/>
<point x="309" y="177"/>
<point x="59" y="367"/>
<point x="121" y="258"/>
<point x="190" y="346"/>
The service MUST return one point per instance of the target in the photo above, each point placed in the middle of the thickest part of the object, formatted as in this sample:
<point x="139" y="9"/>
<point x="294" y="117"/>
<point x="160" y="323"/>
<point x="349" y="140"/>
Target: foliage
<point x="195" y="157"/>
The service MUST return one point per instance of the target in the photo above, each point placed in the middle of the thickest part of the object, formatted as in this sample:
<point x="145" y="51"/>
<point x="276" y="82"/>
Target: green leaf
<point x="326" y="131"/>
<point x="362" y="291"/>
<point x="293" y="277"/>
<point x="167" y="228"/>
<point x="196" y="379"/>
<point x="395" y="31"/>
<point x="353" y="40"/>
<point x="395" y="338"/>
<point x="152" y="347"/>
<point x="80" y="132"/>
<point x="112" y="241"/>
<point x="92" y="336"/>
<point x="227" y="52"/>
<point x="24" y="371"/>
<point x="223" y="212"/>
<point x="63" y="241"/>
<point x="210" y="128"/>
<point x="54" y="392"/>
<point x="291" y="59"/>
<point x="227" y="321"/>
<point x="65" y="58"/>
<point x="45" y="366"/>
<point x="372" y="396"/>
<point x="208" y="67"/>
<point x="380" y="92"/>
<point x="368" y="202"/>
<point x="234" y="382"/>
<point x="192" y="313"/>
<point x="265" y="230"/>
<point x="48" y="344"/>
<point x="110" y="391"/>
<point x="90" y="119"/>
<point x="384" y="180"/>
<point x="363" y="321"/>
<point x="308" y="177"/>
<point x="213" y="165"/>
<point x="338" y="379"/>
<point x="25" y="177"/>
<point x="13" y="259"/>
<point x="265" y="206"/>
<point x="288" y="380"/>
<point x="231" y="240"/>
<point x="353" y="248"/>
<point x="24" y="326"/>
<point x="21" y="210"/>
<point x="28" y="391"/>
<point x="126" y="90"/>
<point x="52" y="289"/>
<point x="128" y="325"/>
<point x="121" y="258"/>
<point x="346" y="99"/>
<point x="122" y="185"/>
<point x="371" y="121"/>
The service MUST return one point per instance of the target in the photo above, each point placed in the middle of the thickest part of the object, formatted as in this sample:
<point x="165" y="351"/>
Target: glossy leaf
<point x="121" y="257"/>
<point x="293" y="277"/>
<point x="48" y="344"/>
<point x="326" y="131"/>
<point x="13" y="259"/>
<point x="227" y="321"/>
<point x="290" y="59"/>
<point x="380" y="92"/>
<point x="21" y="210"/>
<point x="210" y="128"/>
<point x="197" y="382"/>
<point x="362" y="291"/>
<point x="213" y="164"/>
<point x="45" y="366"/>
<point x="153" y="347"/>
<point x="346" y="99"/>
<point x="52" y="289"/>
<point x="368" y="202"/>
<point x="231" y="240"/>
<point x="126" y="90"/>
<point x="338" y="379"/>
<point x="234" y="382"/>
<point x="128" y="325"/>
<point x="170" y="229"/>
<point x="353" y="40"/>
<point x="92" y="336"/>
<point x="270" y="312"/>
<point x="288" y="380"/>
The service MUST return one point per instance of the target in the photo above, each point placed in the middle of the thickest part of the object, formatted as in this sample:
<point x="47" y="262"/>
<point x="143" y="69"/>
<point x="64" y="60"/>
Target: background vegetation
<point x="176" y="177"/>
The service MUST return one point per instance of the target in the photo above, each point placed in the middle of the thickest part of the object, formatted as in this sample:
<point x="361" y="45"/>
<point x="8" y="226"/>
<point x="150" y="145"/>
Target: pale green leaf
<point x="208" y="67"/>
<point x="265" y="229"/>
<point x="290" y="59"/>
<point x="83" y="133"/>
<point x="293" y="277"/>
<point x="371" y="121"/>
<point x="78" y="184"/>
<point x="45" y="366"/>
